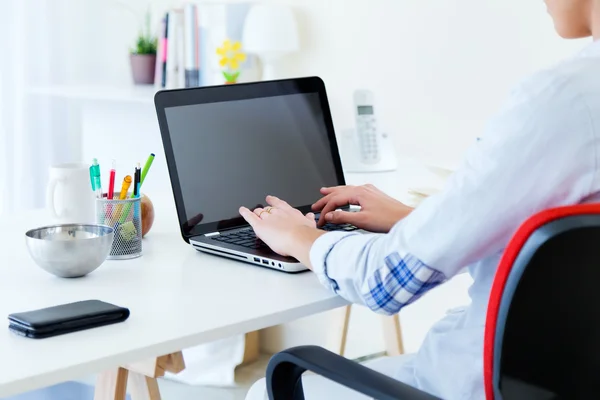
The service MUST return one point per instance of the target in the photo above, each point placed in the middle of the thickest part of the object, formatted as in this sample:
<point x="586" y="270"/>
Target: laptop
<point x="232" y="145"/>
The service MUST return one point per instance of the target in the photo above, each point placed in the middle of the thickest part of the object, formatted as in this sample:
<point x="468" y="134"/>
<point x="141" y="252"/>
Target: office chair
<point x="542" y="333"/>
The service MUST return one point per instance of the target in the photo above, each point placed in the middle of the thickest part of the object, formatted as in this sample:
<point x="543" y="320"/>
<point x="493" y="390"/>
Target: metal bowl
<point x="70" y="250"/>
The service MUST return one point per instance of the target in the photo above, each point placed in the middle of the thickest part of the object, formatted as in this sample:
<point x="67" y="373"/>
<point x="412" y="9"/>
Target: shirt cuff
<point x="318" y="256"/>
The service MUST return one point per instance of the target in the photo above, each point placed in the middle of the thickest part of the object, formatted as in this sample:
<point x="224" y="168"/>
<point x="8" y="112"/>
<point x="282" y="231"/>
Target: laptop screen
<point x="233" y="153"/>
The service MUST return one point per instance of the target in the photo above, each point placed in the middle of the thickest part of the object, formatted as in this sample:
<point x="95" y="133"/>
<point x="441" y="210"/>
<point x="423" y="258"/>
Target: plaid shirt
<point x="399" y="283"/>
<point x="389" y="286"/>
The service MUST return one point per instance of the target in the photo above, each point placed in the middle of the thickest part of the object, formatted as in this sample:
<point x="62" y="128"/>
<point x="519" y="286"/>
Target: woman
<point x="540" y="151"/>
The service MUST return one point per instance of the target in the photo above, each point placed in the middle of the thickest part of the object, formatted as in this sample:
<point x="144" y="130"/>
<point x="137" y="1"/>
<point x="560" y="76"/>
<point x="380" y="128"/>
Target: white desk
<point x="200" y="298"/>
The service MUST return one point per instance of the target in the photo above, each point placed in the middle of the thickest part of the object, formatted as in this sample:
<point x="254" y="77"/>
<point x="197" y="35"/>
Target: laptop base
<point x="271" y="261"/>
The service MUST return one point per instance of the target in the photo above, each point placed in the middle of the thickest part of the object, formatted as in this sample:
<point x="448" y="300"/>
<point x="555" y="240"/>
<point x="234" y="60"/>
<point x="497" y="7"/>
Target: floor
<point x="170" y="390"/>
<point x="83" y="389"/>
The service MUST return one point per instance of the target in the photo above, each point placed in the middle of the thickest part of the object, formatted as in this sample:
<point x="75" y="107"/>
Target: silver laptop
<point x="230" y="146"/>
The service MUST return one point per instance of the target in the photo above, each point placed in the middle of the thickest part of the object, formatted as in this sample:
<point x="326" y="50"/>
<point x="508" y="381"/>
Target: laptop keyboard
<point x="247" y="238"/>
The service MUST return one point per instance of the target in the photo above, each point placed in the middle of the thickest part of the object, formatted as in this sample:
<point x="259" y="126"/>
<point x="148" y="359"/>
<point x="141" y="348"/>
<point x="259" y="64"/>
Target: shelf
<point x="142" y="94"/>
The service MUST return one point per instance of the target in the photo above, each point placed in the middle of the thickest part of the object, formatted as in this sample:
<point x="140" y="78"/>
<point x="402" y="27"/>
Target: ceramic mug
<point x="69" y="195"/>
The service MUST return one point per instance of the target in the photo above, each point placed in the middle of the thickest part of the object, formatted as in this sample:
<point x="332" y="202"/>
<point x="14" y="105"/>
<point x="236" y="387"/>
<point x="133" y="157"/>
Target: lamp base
<point x="268" y="72"/>
<point x="269" y="66"/>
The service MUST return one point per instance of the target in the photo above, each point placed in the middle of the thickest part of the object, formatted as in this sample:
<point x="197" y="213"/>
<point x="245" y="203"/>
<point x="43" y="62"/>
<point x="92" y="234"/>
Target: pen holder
<point x="125" y="216"/>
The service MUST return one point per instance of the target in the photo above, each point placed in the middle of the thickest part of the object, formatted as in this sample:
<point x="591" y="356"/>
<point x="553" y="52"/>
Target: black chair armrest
<point x="285" y="370"/>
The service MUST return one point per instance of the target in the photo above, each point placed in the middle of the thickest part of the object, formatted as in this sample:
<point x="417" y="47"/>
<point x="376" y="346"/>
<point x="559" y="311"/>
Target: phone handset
<point x="369" y="139"/>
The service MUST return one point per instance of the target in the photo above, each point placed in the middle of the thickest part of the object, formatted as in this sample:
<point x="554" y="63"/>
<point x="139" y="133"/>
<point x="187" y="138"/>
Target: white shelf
<point x="143" y="94"/>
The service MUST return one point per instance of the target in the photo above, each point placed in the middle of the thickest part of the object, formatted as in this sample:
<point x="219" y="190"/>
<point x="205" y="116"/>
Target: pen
<point x="111" y="182"/>
<point x="145" y="171"/>
<point x="146" y="167"/>
<point x="136" y="182"/>
<point x="123" y="196"/>
<point x="138" y="175"/>
<point x="125" y="187"/>
<point x="136" y="188"/>
<point x="95" y="178"/>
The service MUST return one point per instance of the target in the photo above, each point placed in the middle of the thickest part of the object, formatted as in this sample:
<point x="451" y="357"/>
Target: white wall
<point x="98" y="34"/>
<point x="439" y="69"/>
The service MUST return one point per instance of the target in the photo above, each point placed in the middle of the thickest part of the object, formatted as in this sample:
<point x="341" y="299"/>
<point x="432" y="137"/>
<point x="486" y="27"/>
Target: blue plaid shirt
<point x="399" y="283"/>
<point x="389" y="285"/>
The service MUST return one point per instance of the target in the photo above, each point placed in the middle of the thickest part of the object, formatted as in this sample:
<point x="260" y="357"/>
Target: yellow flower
<point x="231" y="54"/>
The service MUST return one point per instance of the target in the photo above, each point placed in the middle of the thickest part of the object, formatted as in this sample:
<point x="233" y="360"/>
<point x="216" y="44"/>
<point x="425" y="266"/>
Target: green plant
<point x="146" y="43"/>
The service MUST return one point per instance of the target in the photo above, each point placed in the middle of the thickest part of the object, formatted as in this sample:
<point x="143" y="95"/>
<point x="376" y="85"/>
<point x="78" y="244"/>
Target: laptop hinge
<point x="211" y="234"/>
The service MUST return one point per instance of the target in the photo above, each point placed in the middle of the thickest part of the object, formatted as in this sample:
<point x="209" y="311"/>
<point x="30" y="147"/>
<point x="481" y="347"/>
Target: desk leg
<point x="143" y="387"/>
<point x="251" y="348"/>
<point x="392" y="335"/>
<point x="344" y="315"/>
<point x="142" y="375"/>
<point x="112" y="385"/>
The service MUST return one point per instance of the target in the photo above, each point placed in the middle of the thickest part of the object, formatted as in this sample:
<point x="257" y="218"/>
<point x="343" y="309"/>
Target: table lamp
<point x="270" y="32"/>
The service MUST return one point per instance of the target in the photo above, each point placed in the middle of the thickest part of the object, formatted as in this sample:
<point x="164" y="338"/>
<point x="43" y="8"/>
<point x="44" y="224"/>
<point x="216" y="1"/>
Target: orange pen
<point x="125" y="187"/>
<point x="122" y="196"/>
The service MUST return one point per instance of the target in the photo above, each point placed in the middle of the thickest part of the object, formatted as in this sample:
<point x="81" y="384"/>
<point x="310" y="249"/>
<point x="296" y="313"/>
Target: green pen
<point x="145" y="170"/>
<point x="146" y="167"/>
<point x="95" y="178"/>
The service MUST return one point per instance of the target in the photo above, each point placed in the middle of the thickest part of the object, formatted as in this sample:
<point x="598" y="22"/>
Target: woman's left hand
<point x="284" y="229"/>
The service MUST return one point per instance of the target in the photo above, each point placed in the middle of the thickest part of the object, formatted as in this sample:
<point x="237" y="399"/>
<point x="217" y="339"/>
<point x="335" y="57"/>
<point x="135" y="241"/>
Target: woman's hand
<point x="379" y="212"/>
<point x="284" y="229"/>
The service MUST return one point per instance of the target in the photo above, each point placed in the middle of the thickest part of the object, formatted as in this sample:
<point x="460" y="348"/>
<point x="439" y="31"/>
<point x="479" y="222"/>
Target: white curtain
<point x="33" y="128"/>
<point x="50" y="44"/>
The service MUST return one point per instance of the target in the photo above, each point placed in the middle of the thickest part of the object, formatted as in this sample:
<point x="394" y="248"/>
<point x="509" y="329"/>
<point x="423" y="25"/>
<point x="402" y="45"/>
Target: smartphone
<point x="66" y="318"/>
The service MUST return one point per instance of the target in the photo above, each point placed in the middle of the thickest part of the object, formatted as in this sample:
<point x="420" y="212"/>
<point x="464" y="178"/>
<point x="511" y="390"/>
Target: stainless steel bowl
<point x="70" y="250"/>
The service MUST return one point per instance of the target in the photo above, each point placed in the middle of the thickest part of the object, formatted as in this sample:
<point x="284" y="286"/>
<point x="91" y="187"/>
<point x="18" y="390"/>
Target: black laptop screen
<point x="233" y="153"/>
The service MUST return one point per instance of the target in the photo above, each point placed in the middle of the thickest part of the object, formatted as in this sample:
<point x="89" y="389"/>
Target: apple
<point x="147" y="214"/>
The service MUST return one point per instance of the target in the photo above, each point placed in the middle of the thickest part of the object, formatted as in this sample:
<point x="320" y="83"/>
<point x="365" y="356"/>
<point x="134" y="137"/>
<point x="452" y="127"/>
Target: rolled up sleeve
<point x="369" y="269"/>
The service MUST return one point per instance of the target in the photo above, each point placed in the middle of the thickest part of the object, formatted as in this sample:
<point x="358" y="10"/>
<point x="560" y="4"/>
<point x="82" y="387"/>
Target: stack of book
<point x="188" y="38"/>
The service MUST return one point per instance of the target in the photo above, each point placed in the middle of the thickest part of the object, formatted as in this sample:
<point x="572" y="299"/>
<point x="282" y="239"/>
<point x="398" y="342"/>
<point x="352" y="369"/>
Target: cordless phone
<point x="369" y="140"/>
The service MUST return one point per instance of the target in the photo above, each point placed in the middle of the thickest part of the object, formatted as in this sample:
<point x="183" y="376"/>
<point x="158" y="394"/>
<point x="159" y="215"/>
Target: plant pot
<point x="142" y="68"/>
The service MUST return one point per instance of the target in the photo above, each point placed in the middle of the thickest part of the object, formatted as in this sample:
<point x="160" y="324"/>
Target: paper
<point x="212" y="364"/>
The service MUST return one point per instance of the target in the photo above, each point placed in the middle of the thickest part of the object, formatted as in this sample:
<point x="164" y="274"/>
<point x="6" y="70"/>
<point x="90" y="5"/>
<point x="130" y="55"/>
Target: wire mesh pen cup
<point x="125" y="216"/>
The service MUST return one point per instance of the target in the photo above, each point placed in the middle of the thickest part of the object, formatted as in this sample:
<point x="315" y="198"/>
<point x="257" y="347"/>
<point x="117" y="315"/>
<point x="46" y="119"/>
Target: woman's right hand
<point x="379" y="212"/>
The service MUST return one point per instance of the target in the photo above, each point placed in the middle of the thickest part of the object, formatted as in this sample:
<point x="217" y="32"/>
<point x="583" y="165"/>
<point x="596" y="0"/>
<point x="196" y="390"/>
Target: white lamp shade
<point x="270" y="30"/>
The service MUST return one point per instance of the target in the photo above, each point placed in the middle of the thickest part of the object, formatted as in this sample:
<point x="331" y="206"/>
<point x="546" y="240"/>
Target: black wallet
<point x="66" y="318"/>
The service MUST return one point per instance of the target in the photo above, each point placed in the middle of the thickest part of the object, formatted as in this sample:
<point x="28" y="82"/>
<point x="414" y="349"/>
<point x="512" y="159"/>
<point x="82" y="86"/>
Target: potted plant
<point x="143" y="56"/>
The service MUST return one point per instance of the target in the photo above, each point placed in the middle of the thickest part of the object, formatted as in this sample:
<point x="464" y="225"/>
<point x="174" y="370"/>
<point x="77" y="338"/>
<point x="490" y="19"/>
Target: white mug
<point x="69" y="195"/>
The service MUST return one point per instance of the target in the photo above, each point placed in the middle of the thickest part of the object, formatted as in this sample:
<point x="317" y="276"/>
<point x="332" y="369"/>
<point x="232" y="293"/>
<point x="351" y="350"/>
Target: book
<point x="165" y="52"/>
<point x="192" y="34"/>
<point x="160" y="53"/>
<point x="180" y="66"/>
<point x="191" y="39"/>
<point x="174" y="21"/>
